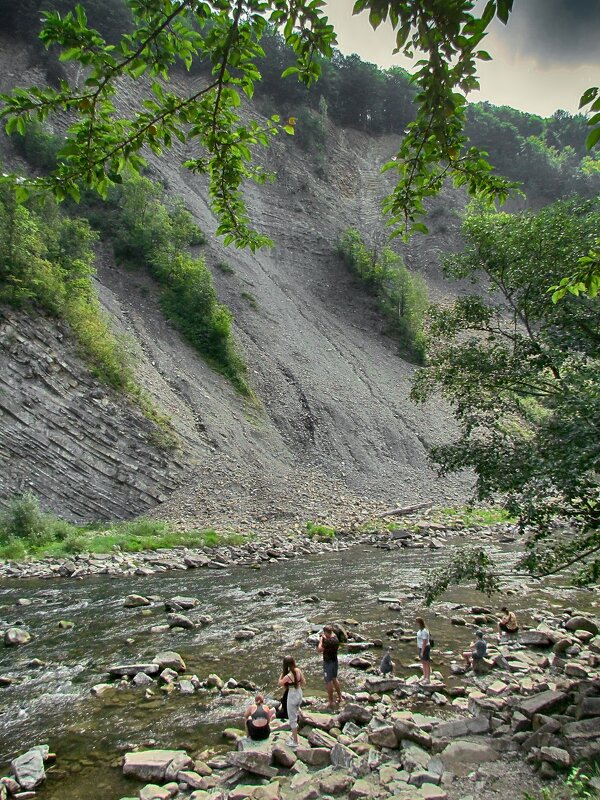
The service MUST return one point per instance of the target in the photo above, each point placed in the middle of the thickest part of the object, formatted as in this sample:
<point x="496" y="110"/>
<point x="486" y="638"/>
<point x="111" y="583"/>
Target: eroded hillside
<point x="334" y="426"/>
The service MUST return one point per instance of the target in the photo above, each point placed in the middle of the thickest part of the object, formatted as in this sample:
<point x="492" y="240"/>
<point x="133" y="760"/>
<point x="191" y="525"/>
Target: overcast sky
<point x="544" y="59"/>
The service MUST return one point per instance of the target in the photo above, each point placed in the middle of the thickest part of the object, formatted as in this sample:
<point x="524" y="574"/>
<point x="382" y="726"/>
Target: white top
<point x="422" y="637"/>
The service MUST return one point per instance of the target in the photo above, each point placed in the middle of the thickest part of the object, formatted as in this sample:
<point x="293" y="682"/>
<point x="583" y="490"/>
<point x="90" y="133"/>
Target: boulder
<point x="355" y="713"/>
<point x="336" y="783"/>
<point x="120" y="670"/>
<point x="342" y="756"/>
<point x="535" y="639"/>
<point x="14" y="637"/>
<point x="381" y="685"/>
<point x="582" y="624"/>
<point x="252" y="761"/>
<point x="414" y="757"/>
<point x="556" y="756"/>
<point x="460" y="756"/>
<point x="136" y="601"/>
<point x="363" y="789"/>
<point x="28" y="768"/>
<point x="542" y="703"/>
<point x="168" y="659"/>
<point x="316" y="720"/>
<point x="156" y="765"/>
<point x="314" y="756"/>
<point x="383" y="735"/>
<point x="180" y="621"/>
<point x="181" y="603"/>
<point x="582" y="738"/>
<point x="153" y="792"/>
<point x="283" y="756"/>
<point x="408" y="731"/>
<point x="319" y="738"/>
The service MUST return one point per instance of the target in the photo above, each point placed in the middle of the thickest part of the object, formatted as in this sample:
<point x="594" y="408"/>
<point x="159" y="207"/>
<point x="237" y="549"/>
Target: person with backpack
<point x="329" y="645"/>
<point x="424" y="648"/>
<point x="292" y="680"/>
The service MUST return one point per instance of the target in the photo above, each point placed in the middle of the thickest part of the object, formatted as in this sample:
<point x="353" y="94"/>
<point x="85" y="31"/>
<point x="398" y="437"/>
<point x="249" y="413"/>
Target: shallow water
<point x="53" y="704"/>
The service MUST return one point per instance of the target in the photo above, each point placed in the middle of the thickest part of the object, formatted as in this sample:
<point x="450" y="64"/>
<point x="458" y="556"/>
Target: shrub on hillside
<point x="401" y="295"/>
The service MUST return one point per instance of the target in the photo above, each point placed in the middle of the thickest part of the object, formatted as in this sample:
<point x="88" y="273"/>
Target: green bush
<point x="401" y="295"/>
<point x="314" y="529"/>
<point x="23" y="519"/>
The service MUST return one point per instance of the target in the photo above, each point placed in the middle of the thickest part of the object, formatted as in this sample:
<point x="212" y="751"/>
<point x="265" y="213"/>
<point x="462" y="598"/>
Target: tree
<point x="226" y="33"/>
<point x="522" y="375"/>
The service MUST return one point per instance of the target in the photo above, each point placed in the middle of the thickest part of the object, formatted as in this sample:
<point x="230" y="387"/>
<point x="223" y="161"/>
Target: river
<point x="52" y="704"/>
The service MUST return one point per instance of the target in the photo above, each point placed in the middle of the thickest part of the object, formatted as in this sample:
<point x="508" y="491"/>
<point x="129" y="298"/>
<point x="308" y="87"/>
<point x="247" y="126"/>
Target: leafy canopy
<point x="165" y="34"/>
<point x="522" y="375"/>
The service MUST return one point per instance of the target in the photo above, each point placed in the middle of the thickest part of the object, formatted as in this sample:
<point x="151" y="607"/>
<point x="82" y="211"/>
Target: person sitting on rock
<point x="478" y="649"/>
<point x="258" y="719"/>
<point x="508" y="622"/>
<point x="386" y="667"/>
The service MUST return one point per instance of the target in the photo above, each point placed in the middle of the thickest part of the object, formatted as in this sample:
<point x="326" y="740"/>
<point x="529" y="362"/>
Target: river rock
<point x="13" y="637"/>
<point x="582" y="738"/>
<point x="181" y="603"/>
<point x="381" y="685"/>
<point x="244" y="634"/>
<point x="408" y="731"/>
<point x="314" y="756"/>
<point x="153" y="792"/>
<point x="383" y="734"/>
<point x="317" y="720"/>
<point x="135" y="601"/>
<point x="556" y="756"/>
<point x="363" y="789"/>
<point x="342" y="756"/>
<point x="252" y="761"/>
<point x="180" y="621"/>
<point x="582" y="624"/>
<point x="535" y="639"/>
<point x="283" y="756"/>
<point x="120" y="670"/>
<point x="156" y="765"/>
<point x="355" y="713"/>
<point x="414" y="757"/>
<point x="335" y="783"/>
<point x="28" y="768"/>
<point x="214" y="681"/>
<point x="319" y="738"/>
<point x="542" y="703"/>
<point x="141" y="679"/>
<point x="168" y="659"/>
<point x="101" y="688"/>
<point x="186" y="687"/>
<point x="459" y="756"/>
<point x="360" y="663"/>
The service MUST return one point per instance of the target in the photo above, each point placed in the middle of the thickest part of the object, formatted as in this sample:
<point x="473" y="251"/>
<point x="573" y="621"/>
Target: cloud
<point x="552" y="33"/>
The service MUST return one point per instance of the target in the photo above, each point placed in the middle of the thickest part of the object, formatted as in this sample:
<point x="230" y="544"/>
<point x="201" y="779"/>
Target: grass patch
<point x="225" y="268"/>
<point x="27" y="532"/>
<point x="472" y="516"/>
<point x="251" y="300"/>
<point x="317" y="531"/>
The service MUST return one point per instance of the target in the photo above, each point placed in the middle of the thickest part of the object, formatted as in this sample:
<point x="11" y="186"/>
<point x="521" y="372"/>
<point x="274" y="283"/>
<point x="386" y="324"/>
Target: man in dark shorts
<point x="328" y="646"/>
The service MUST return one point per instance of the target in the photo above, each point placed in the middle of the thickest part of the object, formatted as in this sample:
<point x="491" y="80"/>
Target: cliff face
<point x="334" y="419"/>
<point x="85" y="453"/>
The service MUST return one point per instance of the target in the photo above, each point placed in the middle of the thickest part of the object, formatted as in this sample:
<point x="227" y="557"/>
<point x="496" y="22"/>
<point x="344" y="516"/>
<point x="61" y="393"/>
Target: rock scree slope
<point x="333" y="426"/>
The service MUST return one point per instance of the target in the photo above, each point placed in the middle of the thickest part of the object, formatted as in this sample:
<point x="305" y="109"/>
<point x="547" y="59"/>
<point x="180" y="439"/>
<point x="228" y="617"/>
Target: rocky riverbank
<point x="416" y="531"/>
<point x="532" y="713"/>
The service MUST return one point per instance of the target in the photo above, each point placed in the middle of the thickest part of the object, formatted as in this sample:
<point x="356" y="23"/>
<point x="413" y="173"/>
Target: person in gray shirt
<point x="478" y="649"/>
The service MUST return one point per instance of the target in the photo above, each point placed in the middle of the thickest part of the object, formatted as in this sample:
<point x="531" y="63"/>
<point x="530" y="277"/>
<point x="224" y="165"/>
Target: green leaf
<point x="592" y="138"/>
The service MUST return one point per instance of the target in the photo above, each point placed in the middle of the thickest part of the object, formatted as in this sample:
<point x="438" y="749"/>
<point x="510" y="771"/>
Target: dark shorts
<point x="508" y="630"/>
<point x="330" y="670"/>
<point x="257" y="732"/>
<point x="426" y="653"/>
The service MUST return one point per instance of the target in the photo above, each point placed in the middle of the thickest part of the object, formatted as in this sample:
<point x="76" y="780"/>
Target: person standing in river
<point x="292" y="680"/>
<point x="329" y="645"/>
<point x="424" y="648"/>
